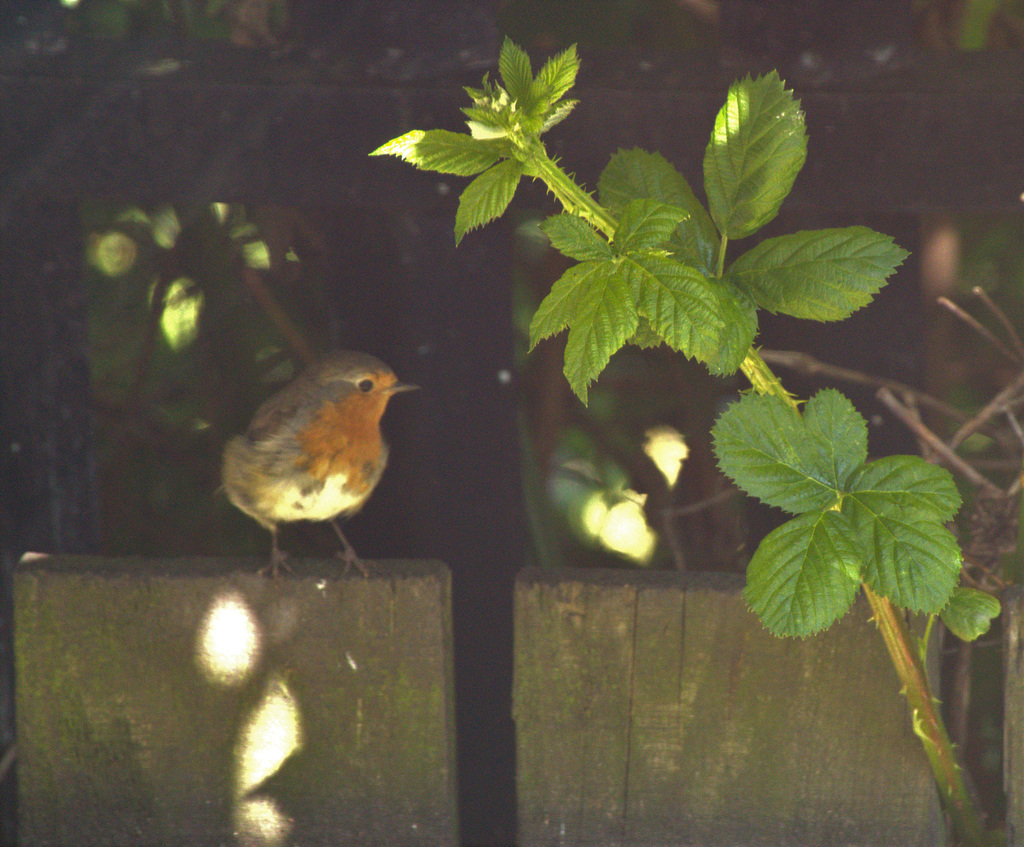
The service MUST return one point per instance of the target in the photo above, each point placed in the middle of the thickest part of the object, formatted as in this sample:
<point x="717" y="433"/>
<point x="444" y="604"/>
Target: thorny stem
<point x="567" y="192"/>
<point x="928" y="724"/>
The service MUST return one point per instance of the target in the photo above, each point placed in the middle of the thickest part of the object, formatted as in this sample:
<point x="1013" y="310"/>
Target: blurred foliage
<point x="188" y="334"/>
<point x="970" y="24"/>
<point x="549" y="25"/>
<point x="248" y="23"/>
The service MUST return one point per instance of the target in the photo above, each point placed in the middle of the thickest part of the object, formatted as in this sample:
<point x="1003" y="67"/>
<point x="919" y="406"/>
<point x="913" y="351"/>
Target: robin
<point x="314" y="450"/>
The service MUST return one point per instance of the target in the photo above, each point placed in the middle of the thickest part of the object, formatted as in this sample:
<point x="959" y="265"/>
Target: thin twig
<point x="978" y="327"/>
<point x="1000" y="316"/>
<point x="807" y="365"/>
<point x="701" y="505"/>
<point x="995" y="406"/>
<point x="936" y="444"/>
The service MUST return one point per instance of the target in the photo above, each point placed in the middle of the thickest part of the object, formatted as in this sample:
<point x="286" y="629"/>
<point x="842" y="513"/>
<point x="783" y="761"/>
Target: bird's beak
<point x="402" y="386"/>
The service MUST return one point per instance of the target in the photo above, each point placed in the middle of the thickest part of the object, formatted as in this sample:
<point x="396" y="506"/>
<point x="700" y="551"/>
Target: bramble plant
<point x="651" y="269"/>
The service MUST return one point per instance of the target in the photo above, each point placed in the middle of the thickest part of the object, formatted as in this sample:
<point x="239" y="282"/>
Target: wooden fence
<point x="194" y="701"/>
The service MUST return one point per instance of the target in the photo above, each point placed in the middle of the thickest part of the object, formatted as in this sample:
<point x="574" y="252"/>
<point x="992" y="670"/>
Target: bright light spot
<point x="113" y="253"/>
<point x="351" y="662"/>
<point x="625" y="531"/>
<point x="593" y="514"/>
<point x="220" y="211"/>
<point x="257" y="255"/>
<point x="166" y="227"/>
<point x="737" y="106"/>
<point x="229" y="641"/>
<point x="270" y="737"/>
<point x="70" y="4"/>
<point x="504" y="376"/>
<point x="621" y="528"/>
<point x="666" y="447"/>
<point x="260" y="823"/>
<point x="180" y="319"/>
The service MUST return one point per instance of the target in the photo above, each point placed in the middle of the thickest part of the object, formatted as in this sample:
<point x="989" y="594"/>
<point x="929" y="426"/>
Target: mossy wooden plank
<point x="726" y="734"/>
<point x="185" y="701"/>
<point x="1013" y="720"/>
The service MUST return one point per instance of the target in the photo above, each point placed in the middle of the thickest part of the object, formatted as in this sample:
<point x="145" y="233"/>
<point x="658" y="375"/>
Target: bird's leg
<point x="349" y="554"/>
<point x="278" y="558"/>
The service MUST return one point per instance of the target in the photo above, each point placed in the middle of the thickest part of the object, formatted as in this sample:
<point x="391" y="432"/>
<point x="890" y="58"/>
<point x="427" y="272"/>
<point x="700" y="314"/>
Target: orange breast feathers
<point x="343" y="438"/>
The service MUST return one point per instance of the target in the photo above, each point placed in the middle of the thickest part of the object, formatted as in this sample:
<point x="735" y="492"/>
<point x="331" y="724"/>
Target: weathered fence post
<point x="654" y="709"/>
<point x="193" y="701"/>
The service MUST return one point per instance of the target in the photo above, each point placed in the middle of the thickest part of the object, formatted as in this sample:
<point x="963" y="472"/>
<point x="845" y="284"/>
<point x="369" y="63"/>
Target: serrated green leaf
<point x="636" y="174"/>
<point x="645" y="337"/>
<point x="516" y="73"/>
<point x="823" y="275"/>
<point x="443" y="151"/>
<point x="740" y="316"/>
<point x="645" y="223"/>
<point x="756" y="150"/>
<point x="558" y="114"/>
<point x="804" y="575"/>
<point x="909" y="557"/>
<point x="559" y="307"/>
<point x="487" y="197"/>
<point x="556" y="77"/>
<point x="604" y="317"/>
<point x="832" y="415"/>
<point x="678" y="301"/>
<point x="764" y="446"/>
<point x="969" y="613"/>
<point x="910" y="483"/>
<point x="485" y="124"/>
<point x="574" y="237"/>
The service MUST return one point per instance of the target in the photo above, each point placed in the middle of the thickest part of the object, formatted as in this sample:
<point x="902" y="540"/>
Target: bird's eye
<point x="365" y="385"/>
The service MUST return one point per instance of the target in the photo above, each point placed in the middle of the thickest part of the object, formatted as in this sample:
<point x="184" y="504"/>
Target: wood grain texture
<point x="652" y="709"/>
<point x="129" y="734"/>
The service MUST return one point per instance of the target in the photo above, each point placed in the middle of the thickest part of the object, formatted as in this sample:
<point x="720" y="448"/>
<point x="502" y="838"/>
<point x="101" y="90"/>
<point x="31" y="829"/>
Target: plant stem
<point x="906" y="659"/>
<point x="763" y="379"/>
<point x="928" y="724"/>
<point x="575" y="200"/>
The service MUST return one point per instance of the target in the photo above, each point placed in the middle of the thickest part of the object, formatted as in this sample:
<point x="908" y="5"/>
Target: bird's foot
<point x="351" y="560"/>
<point x="348" y="555"/>
<point x="278" y="561"/>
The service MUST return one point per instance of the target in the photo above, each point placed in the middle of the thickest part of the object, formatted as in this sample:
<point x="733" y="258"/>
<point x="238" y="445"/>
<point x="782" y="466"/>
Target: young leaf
<point x="969" y="613"/>
<point x="443" y="151"/>
<point x="516" y="73"/>
<point x="574" y="237"/>
<point x="604" y="317"/>
<point x="636" y="174"/>
<point x="645" y="336"/>
<point x="487" y="197"/>
<point x="756" y="150"/>
<point x="765" y="446"/>
<point x="804" y="575"/>
<point x="645" y="223"/>
<point x="823" y="275"/>
<point x="897" y="506"/>
<point x="556" y="77"/>
<point x="558" y="114"/>
<point x="677" y="300"/>
<point x="559" y="307"/>
<point x="740" y="316"/>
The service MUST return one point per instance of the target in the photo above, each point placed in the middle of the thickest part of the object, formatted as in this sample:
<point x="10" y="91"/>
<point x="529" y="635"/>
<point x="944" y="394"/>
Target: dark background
<point x="111" y="439"/>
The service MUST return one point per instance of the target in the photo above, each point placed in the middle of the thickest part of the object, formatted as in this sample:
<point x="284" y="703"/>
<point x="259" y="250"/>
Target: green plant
<point x="651" y="269"/>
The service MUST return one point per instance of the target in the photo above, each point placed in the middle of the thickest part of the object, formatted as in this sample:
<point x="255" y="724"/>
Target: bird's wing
<point x="281" y="408"/>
